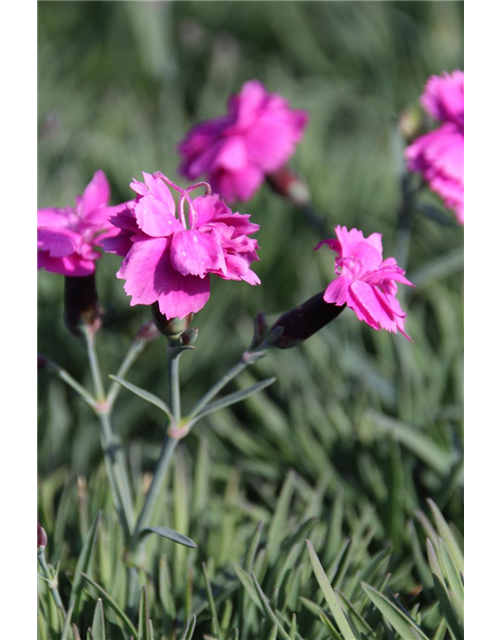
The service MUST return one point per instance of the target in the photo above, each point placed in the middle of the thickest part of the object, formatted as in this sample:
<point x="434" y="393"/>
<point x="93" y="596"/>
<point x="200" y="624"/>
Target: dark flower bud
<point x="41" y="537"/>
<point x="81" y="306"/>
<point x="298" y="324"/>
<point x="189" y="336"/>
<point x="288" y="185"/>
<point x="172" y="328"/>
<point x="260" y="330"/>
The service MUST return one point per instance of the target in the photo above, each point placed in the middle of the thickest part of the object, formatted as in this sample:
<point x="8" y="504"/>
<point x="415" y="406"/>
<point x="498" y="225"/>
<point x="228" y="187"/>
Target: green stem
<point x="154" y="491"/>
<point x="112" y="448"/>
<point x="218" y="386"/>
<point x="135" y="349"/>
<point x="173" y="387"/>
<point x="63" y="375"/>
<point x="51" y="581"/>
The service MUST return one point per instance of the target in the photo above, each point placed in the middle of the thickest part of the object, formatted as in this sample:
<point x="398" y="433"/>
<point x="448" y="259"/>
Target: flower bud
<point x="41" y="537"/>
<point x="81" y="306"/>
<point x="296" y="325"/>
<point x="172" y="328"/>
<point x="189" y="336"/>
<point x="288" y="185"/>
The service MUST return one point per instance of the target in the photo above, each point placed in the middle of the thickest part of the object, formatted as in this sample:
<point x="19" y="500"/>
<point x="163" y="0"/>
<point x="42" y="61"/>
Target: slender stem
<point x="112" y="448"/>
<point x="52" y="582"/>
<point x="94" y="363"/>
<point x="227" y="377"/>
<point x="135" y="349"/>
<point x="61" y="373"/>
<point x="173" y="387"/>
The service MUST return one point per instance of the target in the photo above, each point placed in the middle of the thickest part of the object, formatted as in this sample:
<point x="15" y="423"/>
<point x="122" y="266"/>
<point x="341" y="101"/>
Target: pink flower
<point x="67" y="238"/>
<point x="439" y="155"/>
<point x="236" y="151"/>
<point x="366" y="283"/>
<point x="169" y="262"/>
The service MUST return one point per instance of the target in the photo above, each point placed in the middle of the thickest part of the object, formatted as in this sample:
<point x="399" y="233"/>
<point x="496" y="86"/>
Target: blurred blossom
<point x="235" y="151"/>
<point x="67" y="238"/>
<point x="41" y="536"/>
<point x="168" y="258"/>
<point x="365" y="282"/>
<point x="439" y="155"/>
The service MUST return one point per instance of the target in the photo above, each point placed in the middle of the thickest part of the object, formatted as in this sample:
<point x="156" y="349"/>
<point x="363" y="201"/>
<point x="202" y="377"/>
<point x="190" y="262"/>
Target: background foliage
<point x="360" y="427"/>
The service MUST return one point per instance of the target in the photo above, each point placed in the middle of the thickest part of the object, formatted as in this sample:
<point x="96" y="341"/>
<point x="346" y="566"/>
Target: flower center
<point x="349" y="266"/>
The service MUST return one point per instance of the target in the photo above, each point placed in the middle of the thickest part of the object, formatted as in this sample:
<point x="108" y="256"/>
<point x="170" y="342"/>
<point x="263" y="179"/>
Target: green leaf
<point x="443" y="595"/>
<point x="347" y="630"/>
<point x="67" y="622"/>
<point x="448" y="537"/>
<point x="417" y="442"/>
<point x="278" y="523"/>
<point x="248" y="585"/>
<point x="211" y="603"/>
<point x="329" y="625"/>
<point x="170" y="534"/>
<point x="143" y="615"/>
<point x="271" y="616"/>
<point x="190" y="627"/>
<point x="113" y="605"/>
<point x="405" y="626"/>
<point x="84" y="563"/>
<point x="145" y="395"/>
<point x="253" y="546"/>
<point x="274" y="633"/>
<point x="98" y="623"/>
<point x="233" y="398"/>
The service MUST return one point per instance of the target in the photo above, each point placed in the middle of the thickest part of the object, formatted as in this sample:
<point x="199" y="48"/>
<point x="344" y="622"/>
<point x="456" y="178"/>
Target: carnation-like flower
<point x="365" y="282"/>
<point x="439" y="155"/>
<point x="169" y="257"/>
<point x="236" y="151"/>
<point x="67" y="238"/>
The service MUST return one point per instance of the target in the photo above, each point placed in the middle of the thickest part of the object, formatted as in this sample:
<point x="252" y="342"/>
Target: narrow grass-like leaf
<point x="166" y="595"/>
<point x="252" y="547"/>
<point x="405" y="626"/>
<point x="113" y="605"/>
<point x="329" y="625"/>
<point x="441" y="630"/>
<point x="248" y="585"/>
<point x="331" y="598"/>
<point x="211" y="603"/>
<point x="98" y="622"/>
<point x="274" y="633"/>
<point x="278" y="523"/>
<point x="84" y="563"/>
<point x="271" y="616"/>
<point x="448" y="537"/>
<point x="143" y="615"/>
<point x="454" y="580"/>
<point x="233" y="398"/>
<point x="170" y="534"/>
<point x="443" y="594"/>
<point x="190" y="627"/>
<point x="67" y="622"/>
<point x="145" y="395"/>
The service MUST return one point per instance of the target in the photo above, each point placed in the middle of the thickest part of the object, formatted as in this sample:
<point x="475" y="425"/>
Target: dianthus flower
<point x="168" y="259"/>
<point x="439" y="155"/>
<point x="236" y="151"/>
<point x="67" y="238"/>
<point x="365" y="282"/>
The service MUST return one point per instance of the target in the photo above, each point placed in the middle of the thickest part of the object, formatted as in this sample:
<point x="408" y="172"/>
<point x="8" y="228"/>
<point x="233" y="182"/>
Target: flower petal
<point x="196" y="253"/>
<point x="96" y="193"/>
<point x="336" y="291"/>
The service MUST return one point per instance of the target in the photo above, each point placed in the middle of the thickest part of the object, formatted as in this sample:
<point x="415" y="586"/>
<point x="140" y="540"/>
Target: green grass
<point x="360" y="427"/>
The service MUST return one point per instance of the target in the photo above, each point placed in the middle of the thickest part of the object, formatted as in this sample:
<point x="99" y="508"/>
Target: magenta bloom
<point x="439" y="155"/>
<point x="168" y="261"/>
<point x="236" y="151"/>
<point x="67" y="238"/>
<point x="366" y="283"/>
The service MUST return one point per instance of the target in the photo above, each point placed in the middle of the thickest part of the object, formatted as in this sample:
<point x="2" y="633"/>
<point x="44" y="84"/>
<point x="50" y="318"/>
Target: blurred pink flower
<point x="169" y="261"/>
<point x="67" y="238"/>
<point x="439" y="155"/>
<point x="236" y="151"/>
<point x="366" y="283"/>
